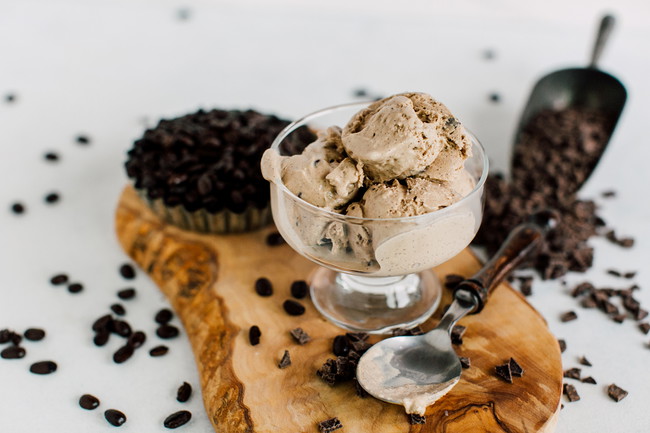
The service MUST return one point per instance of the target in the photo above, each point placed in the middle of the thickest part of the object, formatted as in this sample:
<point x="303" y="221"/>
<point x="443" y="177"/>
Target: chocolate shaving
<point x="568" y="316"/>
<point x="571" y="393"/>
<point x="285" y="361"/>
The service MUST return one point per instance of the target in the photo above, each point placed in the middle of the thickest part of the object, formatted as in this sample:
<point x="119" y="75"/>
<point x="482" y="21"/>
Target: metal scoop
<point x="586" y="88"/>
<point x="415" y="371"/>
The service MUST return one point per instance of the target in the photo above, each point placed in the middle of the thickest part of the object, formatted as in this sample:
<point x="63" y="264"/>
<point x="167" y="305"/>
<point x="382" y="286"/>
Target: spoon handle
<point x="605" y="29"/>
<point x="522" y="241"/>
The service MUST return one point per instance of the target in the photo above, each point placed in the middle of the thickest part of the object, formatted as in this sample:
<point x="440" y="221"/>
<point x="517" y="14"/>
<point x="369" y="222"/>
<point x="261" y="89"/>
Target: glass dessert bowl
<point x="375" y="273"/>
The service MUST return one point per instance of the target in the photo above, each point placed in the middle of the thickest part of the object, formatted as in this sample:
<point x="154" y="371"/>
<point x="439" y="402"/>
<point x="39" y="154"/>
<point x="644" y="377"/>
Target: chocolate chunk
<point x="640" y="314"/>
<point x="127" y="271"/>
<point x="299" y="289"/>
<point x="43" y="367"/>
<point x="644" y="327"/>
<point x="263" y="287"/>
<point x="329" y="425"/>
<point x="360" y="346"/>
<point x="327" y="372"/>
<point x="118" y="309"/>
<point x="457" y="334"/>
<point x="274" y="239"/>
<point x="137" y="339"/>
<point x="75" y="288"/>
<point x="164" y="316"/>
<point x="115" y="417"/>
<point x="572" y="373"/>
<point x="619" y="318"/>
<point x="59" y="279"/>
<point x="300" y="336"/>
<point x="184" y="392"/>
<point x="293" y="308"/>
<point x="254" y="335"/>
<point x="158" y="351"/>
<point x="167" y="332"/>
<point x="464" y="362"/>
<point x="562" y="344"/>
<point x="416" y="419"/>
<point x="13" y="352"/>
<point x="18" y="208"/>
<point x="582" y="360"/>
<point x="34" y="334"/>
<point x="453" y="280"/>
<point x="588" y="302"/>
<point x="88" y="402"/>
<point x="588" y="379"/>
<point x="615" y="393"/>
<point x="515" y="368"/>
<point x="400" y="332"/>
<point x="582" y="289"/>
<point x="52" y="198"/>
<point x="177" y="419"/>
<point x="285" y="361"/>
<point x="126" y="294"/>
<point x="568" y="316"/>
<point x="123" y="354"/>
<point x="503" y="371"/>
<point x="341" y="346"/>
<point x="570" y="391"/>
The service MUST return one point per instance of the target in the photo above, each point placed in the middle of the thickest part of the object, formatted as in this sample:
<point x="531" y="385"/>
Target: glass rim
<point x="414" y="218"/>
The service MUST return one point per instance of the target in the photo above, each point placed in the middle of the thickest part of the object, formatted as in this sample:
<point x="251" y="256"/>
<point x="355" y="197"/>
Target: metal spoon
<point x="415" y="371"/>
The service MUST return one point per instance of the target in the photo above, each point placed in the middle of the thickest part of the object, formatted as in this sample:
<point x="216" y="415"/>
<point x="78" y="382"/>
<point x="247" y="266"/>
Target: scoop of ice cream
<point x="321" y="175"/>
<point x="401" y="136"/>
<point x="359" y="237"/>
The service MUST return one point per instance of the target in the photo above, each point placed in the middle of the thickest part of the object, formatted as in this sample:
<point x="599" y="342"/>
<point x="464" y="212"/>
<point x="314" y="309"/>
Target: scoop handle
<point x="521" y="243"/>
<point x="605" y="29"/>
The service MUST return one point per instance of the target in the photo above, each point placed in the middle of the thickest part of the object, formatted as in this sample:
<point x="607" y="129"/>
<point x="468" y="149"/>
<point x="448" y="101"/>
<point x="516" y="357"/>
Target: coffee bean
<point x="127" y="271"/>
<point x="13" y="352"/>
<point x="115" y="417"/>
<point x="263" y="287"/>
<point x="75" y="288"/>
<point x="167" y="331"/>
<point x="158" y="351"/>
<point x="254" y="335"/>
<point x="126" y="294"/>
<point x="18" y="208"/>
<point x="5" y="334"/>
<point x="59" y="279"/>
<point x="184" y="392"/>
<point x="121" y="328"/>
<point x="177" y="419"/>
<point x="274" y="239"/>
<point x="118" y="309"/>
<point x="15" y="338"/>
<point x="34" y="334"/>
<point x="122" y="354"/>
<point x="299" y="289"/>
<point x="164" y="316"/>
<point x="43" y="367"/>
<point x="293" y="308"/>
<point x="51" y="156"/>
<point x="101" y="338"/>
<point x="88" y="402"/>
<point x="52" y="198"/>
<point x="103" y="323"/>
<point x="340" y="346"/>
<point x="137" y="339"/>
<point x="83" y="139"/>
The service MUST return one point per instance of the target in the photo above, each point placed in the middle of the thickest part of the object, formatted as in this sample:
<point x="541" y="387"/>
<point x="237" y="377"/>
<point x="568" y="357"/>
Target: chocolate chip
<point x="118" y="309"/>
<point x="644" y="327"/>
<point x="416" y="419"/>
<point x="572" y="373"/>
<point x="570" y="391"/>
<point x="340" y="345"/>
<point x="123" y="354"/>
<point x="164" y="316"/>
<point x="177" y="419"/>
<point x="300" y="336"/>
<point x="465" y="362"/>
<point x="588" y="379"/>
<point x="274" y="239"/>
<point x="562" y="344"/>
<point x="400" y="332"/>
<point x="329" y="425"/>
<point x="52" y="198"/>
<point x="126" y="294"/>
<point x="167" y="332"/>
<point x="18" y="208"/>
<point x="34" y="334"/>
<point x="285" y="361"/>
<point x="515" y="368"/>
<point x="299" y="289"/>
<point x="615" y="393"/>
<point x="88" y="402"/>
<point x="504" y="372"/>
<point x="263" y="287"/>
<point x="453" y="280"/>
<point x="158" y="351"/>
<point x="13" y="352"/>
<point x="136" y="339"/>
<point x="293" y="308"/>
<point x="115" y="417"/>
<point x="457" y="334"/>
<point x="568" y="316"/>
<point x="582" y="360"/>
<point x="127" y="271"/>
<point x="59" y="279"/>
<point x="43" y="367"/>
<point x="75" y="288"/>
<point x="184" y="392"/>
<point x="254" y="335"/>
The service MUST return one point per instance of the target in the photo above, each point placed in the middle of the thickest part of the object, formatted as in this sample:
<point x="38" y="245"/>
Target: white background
<point x="107" y="68"/>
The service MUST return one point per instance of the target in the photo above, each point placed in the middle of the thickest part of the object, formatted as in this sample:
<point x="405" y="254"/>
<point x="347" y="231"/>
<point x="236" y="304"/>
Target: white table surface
<point x="105" y="68"/>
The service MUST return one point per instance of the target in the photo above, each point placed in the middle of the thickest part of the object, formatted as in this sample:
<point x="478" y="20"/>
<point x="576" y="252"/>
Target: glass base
<point x="376" y="305"/>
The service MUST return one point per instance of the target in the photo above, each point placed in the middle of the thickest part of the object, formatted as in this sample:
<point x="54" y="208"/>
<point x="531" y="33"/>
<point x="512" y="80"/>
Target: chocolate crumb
<point x="274" y="239"/>
<point x="644" y="327"/>
<point x="285" y="361"/>
<point x="457" y="334"/>
<point x="615" y="393"/>
<point x="10" y="98"/>
<point x="582" y="360"/>
<point x="263" y="287"/>
<point x="13" y="352"/>
<point x="293" y="308"/>
<point x="465" y="362"/>
<point x="572" y="373"/>
<point x="588" y="379"/>
<point x="582" y="289"/>
<point x="414" y="419"/>
<point x="115" y="417"/>
<point x="88" y="402"/>
<point x="167" y="332"/>
<point x="300" y="336"/>
<point x="568" y="316"/>
<point x="51" y="156"/>
<point x="562" y="344"/>
<point x="118" y="309"/>
<point x="329" y="425"/>
<point x="254" y="335"/>
<point x="571" y="393"/>
<point x="163" y="316"/>
<point x="83" y="139"/>
<point x="515" y="368"/>
<point x="495" y="97"/>
<point x="503" y="371"/>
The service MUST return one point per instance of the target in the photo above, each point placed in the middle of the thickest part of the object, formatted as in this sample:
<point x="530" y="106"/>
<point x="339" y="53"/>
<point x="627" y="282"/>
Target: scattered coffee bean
<point x="568" y="316"/>
<point x="34" y="334"/>
<point x="299" y="289"/>
<point x="5" y="335"/>
<point x="608" y="194"/>
<point x="644" y="327"/>
<point x="588" y="379"/>
<point x="495" y="97"/>
<point x="126" y="294"/>
<point x="118" y="309"/>
<point x="127" y="271"/>
<point x="570" y="391"/>
<point x="13" y="352"/>
<point x="88" y="402"/>
<point x="584" y="361"/>
<point x="457" y="334"/>
<point x="123" y="354"/>
<point x="360" y="92"/>
<point x="83" y="139"/>
<point x="75" y="288"/>
<point x="158" y="351"/>
<point x="263" y="287"/>
<point x="562" y="344"/>
<point x="103" y="323"/>
<point x="572" y="373"/>
<point x="452" y="280"/>
<point x="464" y="362"/>
<point x="121" y="328"/>
<point x="18" y="208"/>
<point x="489" y="54"/>
<point x="285" y="361"/>
<point x="274" y="239"/>
<point x="254" y="335"/>
<point x="184" y="392"/>
<point x="504" y="372"/>
<point x="167" y="332"/>
<point x="329" y="425"/>
<point x="15" y="338"/>
<point x="52" y="198"/>
<point x="615" y="393"/>
<point x="515" y="368"/>
<point x="137" y="339"/>
<point x="51" y="156"/>
<point x="300" y="336"/>
<point x="614" y="272"/>
<point x="293" y="308"/>
<point x="101" y="338"/>
<point x="177" y="419"/>
<point x="10" y="97"/>
<point x="59" y="279"/>
<point x="164" y="316"/>
<point x="43" y="367"/>
<point x="340" y="345"/>
<point x="629" y="275"/>
<point x="115" y="417"/>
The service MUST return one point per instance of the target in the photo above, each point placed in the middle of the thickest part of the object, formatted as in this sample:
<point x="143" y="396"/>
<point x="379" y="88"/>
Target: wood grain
<point x="209" y="281"/>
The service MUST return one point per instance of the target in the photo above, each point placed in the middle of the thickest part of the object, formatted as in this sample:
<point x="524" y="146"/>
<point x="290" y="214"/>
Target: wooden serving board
<point x="209" y="281"/>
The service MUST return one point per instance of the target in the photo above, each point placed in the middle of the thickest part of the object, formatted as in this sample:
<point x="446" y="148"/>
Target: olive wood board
<point x="209" y="281"/>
